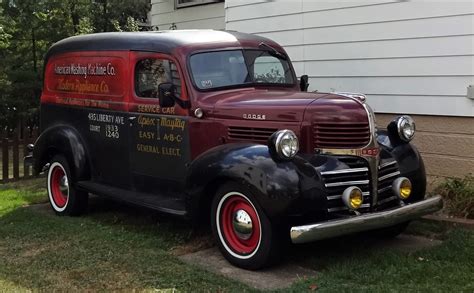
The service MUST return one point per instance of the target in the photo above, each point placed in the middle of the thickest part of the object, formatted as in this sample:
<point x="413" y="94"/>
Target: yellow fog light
<point x="352" y="197"/>
<point x="402" y="187"/>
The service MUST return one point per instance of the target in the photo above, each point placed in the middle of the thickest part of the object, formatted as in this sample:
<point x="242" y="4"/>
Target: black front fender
<point x="65" y="140"/>
<point x="279" y="187"/>
<point x="409" y="161"/>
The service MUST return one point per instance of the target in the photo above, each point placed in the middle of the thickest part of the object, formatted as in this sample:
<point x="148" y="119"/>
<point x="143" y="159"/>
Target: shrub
<point x="458" y="194"/>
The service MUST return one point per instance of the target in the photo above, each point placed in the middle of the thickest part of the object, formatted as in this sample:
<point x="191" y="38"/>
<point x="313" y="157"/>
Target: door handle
<point x="132" y="119"/>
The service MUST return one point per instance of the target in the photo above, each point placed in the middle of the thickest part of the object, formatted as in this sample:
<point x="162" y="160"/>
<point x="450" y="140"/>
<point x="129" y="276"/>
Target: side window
<point x="269" y="69"/>
<point x="151" y="72"/>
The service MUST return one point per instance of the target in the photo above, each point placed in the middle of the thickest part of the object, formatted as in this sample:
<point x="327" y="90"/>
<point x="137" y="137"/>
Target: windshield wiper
<point x="273" y="51"/>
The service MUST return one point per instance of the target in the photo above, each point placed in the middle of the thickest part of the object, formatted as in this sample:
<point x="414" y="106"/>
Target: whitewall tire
<point x="244" y="233"/>
<point x="64" y="198"/>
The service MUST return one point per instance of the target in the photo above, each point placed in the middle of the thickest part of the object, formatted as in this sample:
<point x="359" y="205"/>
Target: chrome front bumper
<point x="364" y="222"/>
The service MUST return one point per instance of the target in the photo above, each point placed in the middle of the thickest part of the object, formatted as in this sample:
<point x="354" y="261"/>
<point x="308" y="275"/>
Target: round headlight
<point x="406" y="128"/>
<point x="286" y="144"/>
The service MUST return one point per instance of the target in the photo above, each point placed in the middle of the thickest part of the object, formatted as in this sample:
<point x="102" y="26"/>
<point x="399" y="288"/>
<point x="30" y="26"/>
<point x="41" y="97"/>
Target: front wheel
<point x="244" y="233"/>
<point x="63" y="197"/>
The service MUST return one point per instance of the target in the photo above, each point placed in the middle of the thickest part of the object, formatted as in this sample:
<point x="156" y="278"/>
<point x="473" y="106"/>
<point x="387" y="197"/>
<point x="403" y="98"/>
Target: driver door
<point x="159" y="140"/>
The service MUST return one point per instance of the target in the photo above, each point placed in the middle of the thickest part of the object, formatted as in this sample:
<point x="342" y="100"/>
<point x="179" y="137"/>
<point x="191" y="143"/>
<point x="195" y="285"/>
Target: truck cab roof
<point x="158" y="41"/>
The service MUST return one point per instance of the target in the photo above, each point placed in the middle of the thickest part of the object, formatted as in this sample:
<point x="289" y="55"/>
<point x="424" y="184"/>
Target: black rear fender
<point x="65" y="140"/>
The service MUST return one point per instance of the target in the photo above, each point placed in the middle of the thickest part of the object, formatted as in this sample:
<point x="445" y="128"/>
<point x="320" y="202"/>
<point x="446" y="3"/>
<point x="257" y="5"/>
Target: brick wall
<point x="446" y="144"/>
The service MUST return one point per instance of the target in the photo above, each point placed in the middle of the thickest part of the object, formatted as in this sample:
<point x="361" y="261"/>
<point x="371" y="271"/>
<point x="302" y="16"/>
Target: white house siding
<point x="209" y="16"/>
<point x="412" y="57"/>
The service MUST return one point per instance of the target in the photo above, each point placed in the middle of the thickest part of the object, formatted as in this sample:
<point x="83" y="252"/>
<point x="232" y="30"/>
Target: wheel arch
<point x="65" y="140"/>
<point x="409" y="160"/>
<point x="275" y="185"/>
<point x="204" y="200"/>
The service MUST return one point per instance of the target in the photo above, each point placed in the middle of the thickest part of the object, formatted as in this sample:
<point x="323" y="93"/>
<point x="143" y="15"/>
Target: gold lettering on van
<point x="145" y="148"/>
<point x="146" y="121"/>
<point x="65" y="85"/>
<point x="154" y="109"/>
<point x="164" y="151"/>
<point x="146" y="135"/>
<point x="90" y="69"/>
<point x="174" y="152"/>
<point x="172" y="123"/>
<point x="82" y="86"/>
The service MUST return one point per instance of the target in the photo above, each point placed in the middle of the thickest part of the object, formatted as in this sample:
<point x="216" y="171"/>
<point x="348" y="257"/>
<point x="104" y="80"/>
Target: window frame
<point x="178" y="5"/>
<point x="135" y="81"/>
<point x="280" y="63"/>
<point x="243" y="85"/>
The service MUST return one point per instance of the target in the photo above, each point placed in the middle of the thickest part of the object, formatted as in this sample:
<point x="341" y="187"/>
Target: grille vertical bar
<point x="357" y="174"/>
<point x="388" y="172"/>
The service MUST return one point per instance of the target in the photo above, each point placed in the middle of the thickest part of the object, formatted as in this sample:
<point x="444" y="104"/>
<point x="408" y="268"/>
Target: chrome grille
<point x="337" y="180"/>
<point x="358" y="175"/>
<point x="249" y="133"/>
<point x="388" y="172"/>
<point x="341" y="134"/>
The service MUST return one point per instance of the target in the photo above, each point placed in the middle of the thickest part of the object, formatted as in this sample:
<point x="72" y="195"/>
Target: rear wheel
<point x="63" y="197"/>
<point x="244" y="233"/>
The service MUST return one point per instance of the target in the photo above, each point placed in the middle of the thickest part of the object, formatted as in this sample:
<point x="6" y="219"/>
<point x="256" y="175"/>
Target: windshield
<point x="239" y="67"/>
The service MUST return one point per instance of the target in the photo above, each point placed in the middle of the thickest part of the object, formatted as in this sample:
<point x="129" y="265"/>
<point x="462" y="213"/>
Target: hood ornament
<point x="361" y="97"/>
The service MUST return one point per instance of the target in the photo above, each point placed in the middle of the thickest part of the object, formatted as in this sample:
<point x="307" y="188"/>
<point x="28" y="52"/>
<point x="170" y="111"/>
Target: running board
<point x="152" y="201"/>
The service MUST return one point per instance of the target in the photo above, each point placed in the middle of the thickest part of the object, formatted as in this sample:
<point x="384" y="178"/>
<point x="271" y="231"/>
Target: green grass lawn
<point x="117" y="247"/>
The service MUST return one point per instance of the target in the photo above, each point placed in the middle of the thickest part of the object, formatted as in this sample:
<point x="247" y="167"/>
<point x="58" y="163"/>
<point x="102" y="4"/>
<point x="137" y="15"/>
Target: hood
<point x="336" y="109"/>
<point x="257" y="104"/>
<point x="281" y="105"/>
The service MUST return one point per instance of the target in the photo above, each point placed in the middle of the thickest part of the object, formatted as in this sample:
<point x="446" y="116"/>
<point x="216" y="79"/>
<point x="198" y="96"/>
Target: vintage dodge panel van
<point x="215" y="125"/>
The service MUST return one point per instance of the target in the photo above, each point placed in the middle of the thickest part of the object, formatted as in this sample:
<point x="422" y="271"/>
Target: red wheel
<point x="63" y="197"/>
<point x="239" y="224"/>
<point x="58" y="187"/>
<point x="244" y="234"/>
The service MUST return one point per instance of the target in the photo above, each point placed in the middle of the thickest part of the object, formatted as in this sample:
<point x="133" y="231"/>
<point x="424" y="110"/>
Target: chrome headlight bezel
<point x="285" y="144"/>
<point x="405" y="125"/>
<point x="397" y="187"/>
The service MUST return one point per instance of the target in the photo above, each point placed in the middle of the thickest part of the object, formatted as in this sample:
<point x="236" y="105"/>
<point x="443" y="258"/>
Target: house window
<point x="187" y="3"/>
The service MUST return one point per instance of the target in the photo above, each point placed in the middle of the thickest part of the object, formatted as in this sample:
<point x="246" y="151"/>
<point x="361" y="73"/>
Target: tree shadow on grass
<point x="180" y="236"/>
<point x="115" y="247"/>
<point x="183" y="237"/>
<point x="365" y="263"/>
<point x="365" y="245"/>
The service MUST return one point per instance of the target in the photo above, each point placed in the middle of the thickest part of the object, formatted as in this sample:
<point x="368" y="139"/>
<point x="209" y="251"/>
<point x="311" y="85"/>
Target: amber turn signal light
<point x="402" y="187"/>
<point x="352" y="197"/>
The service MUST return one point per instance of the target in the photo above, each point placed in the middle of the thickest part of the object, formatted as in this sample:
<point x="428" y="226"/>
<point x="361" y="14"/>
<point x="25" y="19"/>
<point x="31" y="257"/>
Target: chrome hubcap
<point x="64" y="185"/>
<point x="242" y="224"/>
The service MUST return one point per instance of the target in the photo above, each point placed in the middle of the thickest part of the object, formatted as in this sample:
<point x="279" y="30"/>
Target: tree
<point x="29" y="27"/>
<point x="4" y="81"/>
<point x="108" y="12"/>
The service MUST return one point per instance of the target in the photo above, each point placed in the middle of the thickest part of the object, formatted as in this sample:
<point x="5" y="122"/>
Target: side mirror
<point x="304" y="83"/>
<point x="167" y="94"/>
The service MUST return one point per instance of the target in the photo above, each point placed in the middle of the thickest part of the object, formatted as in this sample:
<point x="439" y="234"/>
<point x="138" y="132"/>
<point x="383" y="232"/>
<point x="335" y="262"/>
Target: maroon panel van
<point x="216" y="125"/>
